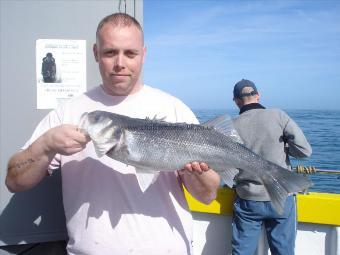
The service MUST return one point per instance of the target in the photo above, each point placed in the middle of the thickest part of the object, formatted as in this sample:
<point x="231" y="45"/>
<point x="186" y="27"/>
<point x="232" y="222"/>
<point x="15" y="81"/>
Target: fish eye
<point x="97" y="117"/>
<point x="117" y="133"/>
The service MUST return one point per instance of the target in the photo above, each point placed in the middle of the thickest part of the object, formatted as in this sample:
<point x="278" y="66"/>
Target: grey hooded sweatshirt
<point x="264" y="131"/>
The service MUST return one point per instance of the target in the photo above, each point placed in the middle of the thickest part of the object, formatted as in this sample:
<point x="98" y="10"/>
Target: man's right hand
<point x="65" y="140"/>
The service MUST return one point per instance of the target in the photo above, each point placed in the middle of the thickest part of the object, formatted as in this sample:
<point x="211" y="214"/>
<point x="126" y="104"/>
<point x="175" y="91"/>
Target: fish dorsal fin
<point x="224" y="125"/>
<point x="228" y="176"/>
<point x="156" y="119"/>
<point x="145" y="178"/>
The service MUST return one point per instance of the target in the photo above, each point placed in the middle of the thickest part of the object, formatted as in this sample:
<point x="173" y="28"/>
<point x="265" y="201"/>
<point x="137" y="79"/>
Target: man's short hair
<point x="239" y="86"/>
<point x="119" y="19"/>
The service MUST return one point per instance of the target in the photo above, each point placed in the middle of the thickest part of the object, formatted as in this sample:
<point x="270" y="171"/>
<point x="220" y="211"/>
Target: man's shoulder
<point x="169" y="103"/>
<point x="279" y="113"/>
<point x="268" y="112"/>
<point x="163" y="97"/>
<point x="91" y="94"/>
<point x="260" y="115"/>
<point x="275" y="110"/>
<point x="278" y="116"/>
<point x="161" y="93"/>
<point x="80" y="102"/>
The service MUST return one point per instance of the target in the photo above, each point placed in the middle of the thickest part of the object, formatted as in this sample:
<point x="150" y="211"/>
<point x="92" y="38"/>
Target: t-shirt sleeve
<point x="184" y="113"/>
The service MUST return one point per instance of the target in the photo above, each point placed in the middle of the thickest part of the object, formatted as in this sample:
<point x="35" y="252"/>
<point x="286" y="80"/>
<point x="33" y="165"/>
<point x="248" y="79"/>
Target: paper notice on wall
<point x="60" y="71"/>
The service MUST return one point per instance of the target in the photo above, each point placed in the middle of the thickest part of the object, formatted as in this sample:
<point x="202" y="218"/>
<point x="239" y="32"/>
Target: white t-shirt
<point x="106" y="212"/>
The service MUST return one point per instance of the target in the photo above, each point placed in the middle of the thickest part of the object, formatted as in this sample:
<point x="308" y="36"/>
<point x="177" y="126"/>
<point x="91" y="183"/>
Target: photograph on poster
<point x="48" y="69"/>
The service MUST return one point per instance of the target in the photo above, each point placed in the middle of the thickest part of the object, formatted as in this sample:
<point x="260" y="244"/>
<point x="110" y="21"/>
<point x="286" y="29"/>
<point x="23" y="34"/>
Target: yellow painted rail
<point x="322" y="208"/>
<point x="319" y="208"/>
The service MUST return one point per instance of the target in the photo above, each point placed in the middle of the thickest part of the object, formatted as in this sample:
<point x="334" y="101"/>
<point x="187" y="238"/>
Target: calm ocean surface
<point x="322" y="129"/>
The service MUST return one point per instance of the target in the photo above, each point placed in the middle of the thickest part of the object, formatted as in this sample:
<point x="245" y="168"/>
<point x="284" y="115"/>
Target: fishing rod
<point x="313" y="170"/>
<point x="307" y="169"/>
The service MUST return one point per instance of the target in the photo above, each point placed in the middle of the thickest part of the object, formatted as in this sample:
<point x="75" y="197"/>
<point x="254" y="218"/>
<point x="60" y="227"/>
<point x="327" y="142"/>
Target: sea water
<point x="322" y="130"/>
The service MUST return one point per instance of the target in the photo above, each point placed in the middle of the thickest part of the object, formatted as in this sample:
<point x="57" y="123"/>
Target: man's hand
<point x="65" y="139"/>
<point x="196" y="167"/>
<point x="201" y="181"/>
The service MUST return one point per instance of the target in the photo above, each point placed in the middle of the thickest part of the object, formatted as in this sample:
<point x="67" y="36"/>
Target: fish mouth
<point x="84" y="122"/>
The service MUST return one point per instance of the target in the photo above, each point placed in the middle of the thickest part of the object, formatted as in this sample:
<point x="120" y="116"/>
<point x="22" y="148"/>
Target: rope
<point x="313" y="170"/>
<point x="305" y="169"/>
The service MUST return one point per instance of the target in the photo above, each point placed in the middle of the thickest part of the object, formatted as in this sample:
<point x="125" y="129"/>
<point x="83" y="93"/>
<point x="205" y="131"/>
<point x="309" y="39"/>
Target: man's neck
<point x="113" y="92"/>
<point x="251" y="106"/>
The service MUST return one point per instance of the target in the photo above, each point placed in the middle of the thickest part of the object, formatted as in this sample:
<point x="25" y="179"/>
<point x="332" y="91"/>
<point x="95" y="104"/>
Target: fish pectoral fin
<point x="102" y="148"/>
<point x="145" y="178"/>
<point x="224" y="125"/>
<point x="228" y="176"/>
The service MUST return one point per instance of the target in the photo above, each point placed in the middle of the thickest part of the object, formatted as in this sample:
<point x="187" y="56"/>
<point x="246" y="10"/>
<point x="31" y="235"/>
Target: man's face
<point x="120" y="52"/>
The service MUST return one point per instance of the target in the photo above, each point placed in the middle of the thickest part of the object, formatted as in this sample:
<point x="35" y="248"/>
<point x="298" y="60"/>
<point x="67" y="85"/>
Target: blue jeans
<point x="249" y="216"/>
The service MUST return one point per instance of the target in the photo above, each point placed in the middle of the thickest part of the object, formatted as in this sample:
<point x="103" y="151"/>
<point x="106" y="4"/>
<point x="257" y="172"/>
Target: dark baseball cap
<point x="241" y="85"/>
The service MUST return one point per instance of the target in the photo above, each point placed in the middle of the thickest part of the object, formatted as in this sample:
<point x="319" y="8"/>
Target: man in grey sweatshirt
<point x="272" y="134"/>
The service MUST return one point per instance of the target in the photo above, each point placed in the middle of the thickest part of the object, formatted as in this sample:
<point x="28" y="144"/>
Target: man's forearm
<point x="28" y="167"/>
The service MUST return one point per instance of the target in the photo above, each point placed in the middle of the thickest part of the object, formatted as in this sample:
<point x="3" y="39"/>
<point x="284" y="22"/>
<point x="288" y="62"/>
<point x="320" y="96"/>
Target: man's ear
<point x="144" y="53"/>
<point x="258" y="97"/>
<point x="238" y="102"/>
<point x="95" y="52"/>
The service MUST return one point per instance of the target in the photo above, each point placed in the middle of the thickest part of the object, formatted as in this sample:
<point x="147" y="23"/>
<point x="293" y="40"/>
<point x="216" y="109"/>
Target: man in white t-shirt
<point x="106" y="212"/>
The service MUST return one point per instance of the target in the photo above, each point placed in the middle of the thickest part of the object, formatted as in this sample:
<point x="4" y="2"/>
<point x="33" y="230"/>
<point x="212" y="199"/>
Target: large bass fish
<point x="152" y="146"/>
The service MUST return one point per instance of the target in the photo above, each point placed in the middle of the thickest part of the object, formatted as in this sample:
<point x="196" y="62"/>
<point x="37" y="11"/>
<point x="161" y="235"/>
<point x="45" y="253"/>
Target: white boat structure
<point x="318" y="231"/>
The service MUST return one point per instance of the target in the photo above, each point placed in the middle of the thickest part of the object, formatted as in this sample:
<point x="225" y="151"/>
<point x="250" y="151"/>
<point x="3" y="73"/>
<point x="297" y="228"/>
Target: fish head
<point x="103" y="129"/>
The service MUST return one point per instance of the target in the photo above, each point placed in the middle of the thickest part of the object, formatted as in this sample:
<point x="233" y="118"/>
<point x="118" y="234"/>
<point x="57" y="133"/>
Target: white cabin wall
<point x="212" y="236"/>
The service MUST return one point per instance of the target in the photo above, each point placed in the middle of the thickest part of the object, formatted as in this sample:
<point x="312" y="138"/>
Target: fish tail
<point x="282" y="183"/>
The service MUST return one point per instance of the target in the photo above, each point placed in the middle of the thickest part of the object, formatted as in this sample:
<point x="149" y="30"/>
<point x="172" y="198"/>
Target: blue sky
<point x="198" y="49"/>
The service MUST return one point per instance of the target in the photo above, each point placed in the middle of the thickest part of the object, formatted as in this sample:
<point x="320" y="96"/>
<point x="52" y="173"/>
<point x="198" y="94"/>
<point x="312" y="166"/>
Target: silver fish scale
<point x="170" y="146"/>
